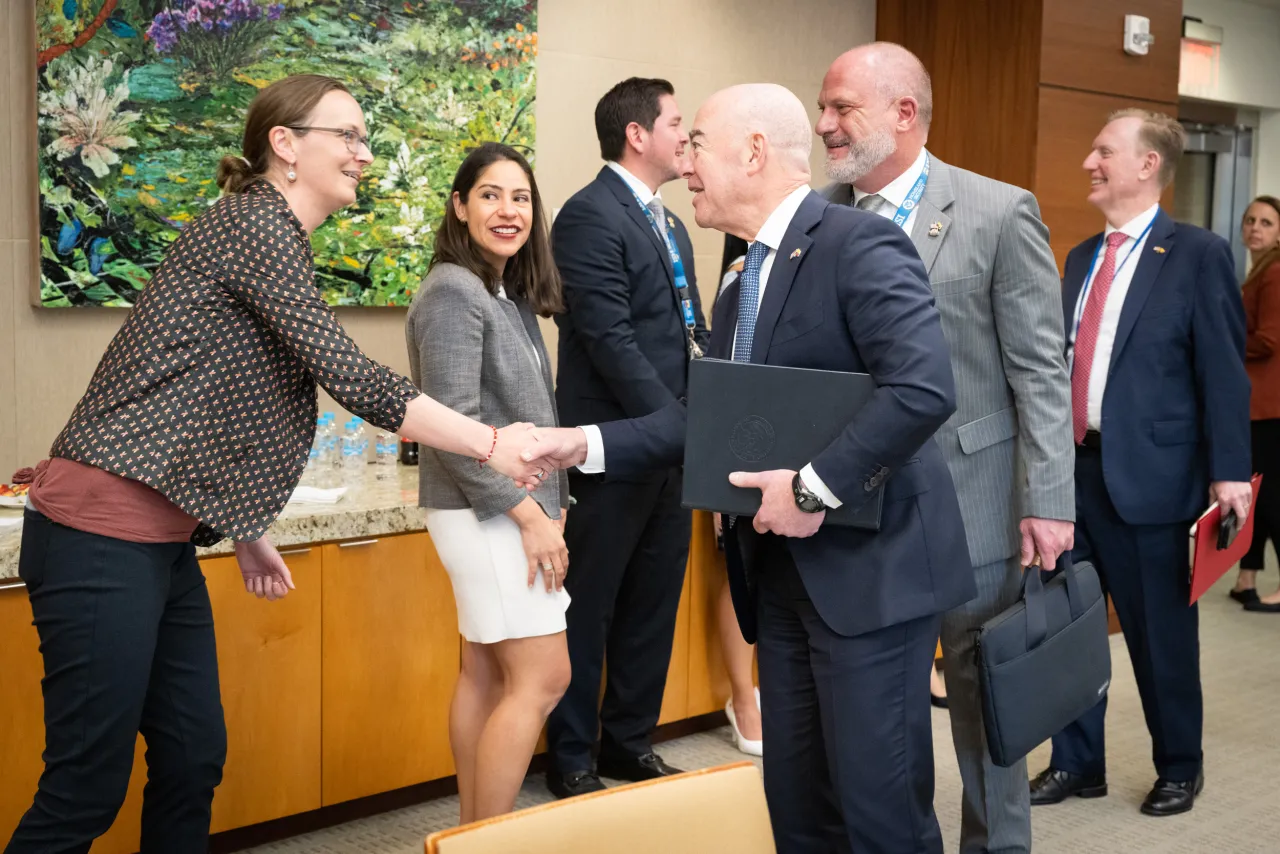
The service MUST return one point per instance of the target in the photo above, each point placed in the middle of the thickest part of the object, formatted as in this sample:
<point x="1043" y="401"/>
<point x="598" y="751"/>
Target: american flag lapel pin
<point x="1159" y="249"/>
<point x="795" y="255"/>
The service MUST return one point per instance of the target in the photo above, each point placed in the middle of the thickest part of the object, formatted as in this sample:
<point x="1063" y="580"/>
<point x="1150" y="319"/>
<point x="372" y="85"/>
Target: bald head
<point x="876" y="104"/>
<point x="894" y="71"/>
<point x="769" y="110"/>
<point x="750" y="148"/>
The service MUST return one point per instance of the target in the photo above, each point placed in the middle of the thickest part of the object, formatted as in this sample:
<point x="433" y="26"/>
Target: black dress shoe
<point x="1258" y="606"/>
<point x="1244" y="597"/>
<point x="635" y="768"/>
<point x="574" y="783"/>
<point x="1053" y="787"/>
<point x="1170" y="798"/>
<point x="938" y="702"/>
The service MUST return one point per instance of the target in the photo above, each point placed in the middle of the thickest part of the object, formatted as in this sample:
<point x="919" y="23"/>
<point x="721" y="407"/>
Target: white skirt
<point x="490" y="576"/>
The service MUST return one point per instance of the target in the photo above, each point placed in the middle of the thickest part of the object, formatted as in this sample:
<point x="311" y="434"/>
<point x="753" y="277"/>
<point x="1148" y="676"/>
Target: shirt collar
<point x="643" y="193"/>
<point x="895" y="192"/>
<point x="775" y="227"/>
<point x="1134" y="227"/>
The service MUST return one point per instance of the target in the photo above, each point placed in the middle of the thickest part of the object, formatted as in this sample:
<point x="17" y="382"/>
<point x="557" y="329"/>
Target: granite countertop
<point x="375" y="508"/>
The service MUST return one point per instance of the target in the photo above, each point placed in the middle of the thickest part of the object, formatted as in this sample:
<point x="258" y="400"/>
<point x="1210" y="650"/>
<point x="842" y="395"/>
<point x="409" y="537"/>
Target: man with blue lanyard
<point x="1160" y="413"/>
<point x="1008" y="445"/>
<point x="632" y="323"/>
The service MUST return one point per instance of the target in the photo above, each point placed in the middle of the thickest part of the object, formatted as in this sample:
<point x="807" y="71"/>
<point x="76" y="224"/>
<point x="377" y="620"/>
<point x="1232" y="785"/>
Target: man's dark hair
<point x="636" y="99"/>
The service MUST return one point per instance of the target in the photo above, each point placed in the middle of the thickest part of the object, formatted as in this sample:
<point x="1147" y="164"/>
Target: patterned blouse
<point x="208" y="391"/>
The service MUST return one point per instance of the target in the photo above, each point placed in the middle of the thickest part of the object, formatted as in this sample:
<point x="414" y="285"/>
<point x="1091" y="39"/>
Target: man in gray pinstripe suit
<point x="1009" y="443"/>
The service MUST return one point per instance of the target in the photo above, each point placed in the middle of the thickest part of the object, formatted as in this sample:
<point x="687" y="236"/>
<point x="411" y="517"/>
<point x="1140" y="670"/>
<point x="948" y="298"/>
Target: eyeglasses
<point x="350" y="137"/>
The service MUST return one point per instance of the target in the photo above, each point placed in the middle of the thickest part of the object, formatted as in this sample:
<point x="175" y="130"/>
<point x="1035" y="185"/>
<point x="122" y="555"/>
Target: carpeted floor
<point x="1237" y="812"/>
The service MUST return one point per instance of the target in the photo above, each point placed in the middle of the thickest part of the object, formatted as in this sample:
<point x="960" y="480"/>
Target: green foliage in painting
<point x="139" y="99"/>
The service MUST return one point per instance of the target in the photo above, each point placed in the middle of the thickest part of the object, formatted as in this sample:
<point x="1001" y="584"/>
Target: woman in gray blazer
<point x="474" y="345"/>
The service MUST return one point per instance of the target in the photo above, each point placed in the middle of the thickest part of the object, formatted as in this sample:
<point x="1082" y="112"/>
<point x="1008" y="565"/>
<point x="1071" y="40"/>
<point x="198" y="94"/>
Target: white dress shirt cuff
<point x="811" y="480"/>
<point x="594" y="464"/>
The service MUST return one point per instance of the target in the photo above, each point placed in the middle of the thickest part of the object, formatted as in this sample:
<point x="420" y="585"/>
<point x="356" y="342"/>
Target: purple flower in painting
<point x="164" y="30"/>
<point x="217" y="17"/>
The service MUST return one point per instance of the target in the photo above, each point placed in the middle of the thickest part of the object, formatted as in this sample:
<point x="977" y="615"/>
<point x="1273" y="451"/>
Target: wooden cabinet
<point x="708" y="680"/>
<point x="391" y="652"/>
<point x="22" y="730"/>
<point x="675" y="696"/>
<point x="269" y="667"/>
<point x="21" y="708"/>
<point x="339" y="691"/>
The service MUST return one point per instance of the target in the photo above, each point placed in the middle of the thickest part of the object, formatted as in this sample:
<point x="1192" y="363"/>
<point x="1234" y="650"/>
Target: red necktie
<point x="1087" y="335"/>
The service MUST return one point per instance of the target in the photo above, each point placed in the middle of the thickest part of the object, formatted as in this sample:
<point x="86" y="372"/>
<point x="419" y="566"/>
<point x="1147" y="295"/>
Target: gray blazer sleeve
<point x="449" y="337"/>
<point x="1026" y="298"/>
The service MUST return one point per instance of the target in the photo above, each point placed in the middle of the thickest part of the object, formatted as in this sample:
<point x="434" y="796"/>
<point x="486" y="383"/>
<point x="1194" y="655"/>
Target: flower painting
<point x="139" y="99"/>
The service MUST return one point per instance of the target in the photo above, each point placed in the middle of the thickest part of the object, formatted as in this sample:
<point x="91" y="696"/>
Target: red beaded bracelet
<point x="491" y="447"/>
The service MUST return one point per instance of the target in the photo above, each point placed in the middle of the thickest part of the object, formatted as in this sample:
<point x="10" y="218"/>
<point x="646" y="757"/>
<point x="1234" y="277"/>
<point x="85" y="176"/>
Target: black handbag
<point x="1044" y="661"/>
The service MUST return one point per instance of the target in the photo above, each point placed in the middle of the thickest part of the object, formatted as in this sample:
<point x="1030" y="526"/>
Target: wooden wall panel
<point x="983" y="57"/>
<point x="1069" y="121"/>
<point x="1082" y="48"/>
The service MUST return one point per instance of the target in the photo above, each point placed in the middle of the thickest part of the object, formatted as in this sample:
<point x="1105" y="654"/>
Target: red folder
<point x="1210" y="563"/>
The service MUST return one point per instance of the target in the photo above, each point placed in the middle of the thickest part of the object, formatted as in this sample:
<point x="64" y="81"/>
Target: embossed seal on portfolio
<point x="752" y="439"/>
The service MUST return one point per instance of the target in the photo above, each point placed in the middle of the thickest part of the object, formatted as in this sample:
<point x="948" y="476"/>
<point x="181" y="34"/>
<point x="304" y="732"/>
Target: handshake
<point x="527" y="454"/>
<point x="535" y="452"/>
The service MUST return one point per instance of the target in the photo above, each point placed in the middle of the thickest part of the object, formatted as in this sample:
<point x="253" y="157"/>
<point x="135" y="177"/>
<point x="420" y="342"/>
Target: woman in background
<point x="196" y="427"/>
<point x="1260" y="230"/>
<point x="474" y="344"/>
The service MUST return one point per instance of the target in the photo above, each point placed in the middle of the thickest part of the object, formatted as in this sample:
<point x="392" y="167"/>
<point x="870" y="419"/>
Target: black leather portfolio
<point x="747" y="417"/>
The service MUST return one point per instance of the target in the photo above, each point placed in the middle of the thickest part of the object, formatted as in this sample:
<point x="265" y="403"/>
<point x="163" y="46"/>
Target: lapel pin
<point x="671" y="223"/>
<point x="795" y="255"/>
<point x="935" y="228"/>
<point x="1159" y="249"/>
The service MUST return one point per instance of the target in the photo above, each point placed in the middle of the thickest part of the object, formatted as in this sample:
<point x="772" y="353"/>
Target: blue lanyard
<point x="1090" y="275"/>
<point x="677" y="269"/>
<point x="913" y="198"/>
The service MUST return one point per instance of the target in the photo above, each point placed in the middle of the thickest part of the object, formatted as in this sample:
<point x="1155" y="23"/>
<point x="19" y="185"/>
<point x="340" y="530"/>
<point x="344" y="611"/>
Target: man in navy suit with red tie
<point x="1160" y="409"/>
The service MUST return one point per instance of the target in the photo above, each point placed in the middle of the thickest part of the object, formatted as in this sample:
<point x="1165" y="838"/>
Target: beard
<point x="864" y="156"/>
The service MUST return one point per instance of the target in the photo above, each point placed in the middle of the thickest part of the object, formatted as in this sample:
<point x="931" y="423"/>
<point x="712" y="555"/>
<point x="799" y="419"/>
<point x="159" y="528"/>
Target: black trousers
<point x="849" y="759"/>
<point x="126" y="632"/>
<point x="628" y="546"/>
<point x="1146" y="570"/>
<point x="1266" y="516"/>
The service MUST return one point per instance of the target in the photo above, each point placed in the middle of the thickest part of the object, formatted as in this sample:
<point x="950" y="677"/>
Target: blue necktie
<point x="749" y="301"/>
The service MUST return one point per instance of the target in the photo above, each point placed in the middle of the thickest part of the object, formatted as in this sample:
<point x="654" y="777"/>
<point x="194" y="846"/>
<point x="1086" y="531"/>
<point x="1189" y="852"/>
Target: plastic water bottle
<point x="354" y="448"/>
<point x="386" y="448"/>
<point x="362" y="446"/>
<point x="330" y="455"/>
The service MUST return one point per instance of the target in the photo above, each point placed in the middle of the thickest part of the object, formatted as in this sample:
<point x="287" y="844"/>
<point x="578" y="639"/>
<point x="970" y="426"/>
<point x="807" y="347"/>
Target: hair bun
<point x="234" y="174"/>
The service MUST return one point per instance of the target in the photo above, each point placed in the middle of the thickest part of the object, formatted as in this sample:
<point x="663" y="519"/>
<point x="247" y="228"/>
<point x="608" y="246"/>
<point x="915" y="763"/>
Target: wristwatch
<point x="806" y="500"/>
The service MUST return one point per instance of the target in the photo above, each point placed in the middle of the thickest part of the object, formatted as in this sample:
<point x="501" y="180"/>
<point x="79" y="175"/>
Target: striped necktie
<point x="749" y="301"/>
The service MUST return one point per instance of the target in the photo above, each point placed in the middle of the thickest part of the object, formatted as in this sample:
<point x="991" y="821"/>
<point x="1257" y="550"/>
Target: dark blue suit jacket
<point x="1175" y="414"/>
<point x="623" y="350"/>
<point x="856" y="298"/>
